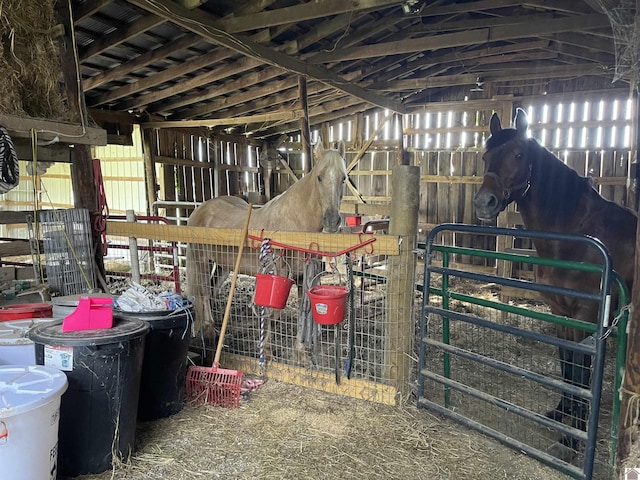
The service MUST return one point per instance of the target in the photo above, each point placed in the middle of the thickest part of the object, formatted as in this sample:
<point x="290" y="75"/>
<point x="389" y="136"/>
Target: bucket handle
<point x="334" y="271"/>
<point x="273" y="270"/>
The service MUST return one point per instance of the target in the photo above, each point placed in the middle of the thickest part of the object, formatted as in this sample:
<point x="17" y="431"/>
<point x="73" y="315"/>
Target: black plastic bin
<point x="98" y="411"/>
<point x="164" y="369"/>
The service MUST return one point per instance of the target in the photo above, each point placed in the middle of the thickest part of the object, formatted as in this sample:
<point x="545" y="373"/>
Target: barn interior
<point x="126" y="115"/>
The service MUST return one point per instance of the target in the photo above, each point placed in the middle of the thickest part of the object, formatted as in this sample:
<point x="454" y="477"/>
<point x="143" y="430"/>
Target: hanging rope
<point x="9" y="168"/>
<point x="267" y="260"/>
<point x="102" y="207"/>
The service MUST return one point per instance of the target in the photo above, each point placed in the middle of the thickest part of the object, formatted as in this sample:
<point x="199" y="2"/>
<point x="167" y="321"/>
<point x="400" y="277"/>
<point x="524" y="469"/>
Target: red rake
<point x="215" y="385"/>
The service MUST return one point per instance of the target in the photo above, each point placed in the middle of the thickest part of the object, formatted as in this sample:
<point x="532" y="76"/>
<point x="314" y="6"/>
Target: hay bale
<point x="30" y="65"/>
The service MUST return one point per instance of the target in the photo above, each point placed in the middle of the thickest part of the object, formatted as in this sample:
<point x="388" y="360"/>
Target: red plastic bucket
<point x="353" y="221"/>
<point x="272" y="290"/>
<point x="328" y="303"/>
<point x="20" y="311"/>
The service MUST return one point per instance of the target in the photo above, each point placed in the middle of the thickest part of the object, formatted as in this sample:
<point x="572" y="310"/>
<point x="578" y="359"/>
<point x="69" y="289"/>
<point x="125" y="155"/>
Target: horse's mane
<point x="559" y="188"/>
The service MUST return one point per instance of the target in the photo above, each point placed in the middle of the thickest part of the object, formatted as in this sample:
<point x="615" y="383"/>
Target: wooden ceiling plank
<point x="287" y="99"/>
<point x="457" y="57"/>
<point x="412" y="45"/>
<point x="119" y="36"/>
<point x="565" y="6"/>
<point x="228" y="70"/>
<point x="300" y="13"/>
<point x="167" y="75"/>
<point x="502" y="74"/>
<point x="267" y="117"/>
<point x="474" y="23"/>
<point x="184" y="42"/>
<point x="241" y="97"/>
<point x="246" y="81"/>
<point x="428" y="82"/>
<point x="583" y="40"/>
<point x="201" y="24"/>
<point x="88" y="8"/>
<point x="467" y="7"/>
<point x="584" y="54"/>
<point x="259" y="94"/>
<point x="478" y="36"/>
<point x="340" y="109"/>
<point x="141" y="61"/>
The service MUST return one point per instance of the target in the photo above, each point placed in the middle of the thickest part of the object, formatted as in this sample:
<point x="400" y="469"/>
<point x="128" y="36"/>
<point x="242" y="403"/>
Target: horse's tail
<point x="195" y="283"/>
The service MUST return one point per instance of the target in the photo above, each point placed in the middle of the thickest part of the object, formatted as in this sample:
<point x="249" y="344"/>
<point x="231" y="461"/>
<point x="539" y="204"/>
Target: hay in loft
<point x="30" y="66"/>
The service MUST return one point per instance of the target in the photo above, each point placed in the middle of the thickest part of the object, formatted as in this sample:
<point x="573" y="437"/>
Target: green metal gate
<point x="494" y="366"/>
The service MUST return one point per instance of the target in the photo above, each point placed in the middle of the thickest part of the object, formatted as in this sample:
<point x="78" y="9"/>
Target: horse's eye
<point x="519" y="156"/>
<point x="319" y="178"/>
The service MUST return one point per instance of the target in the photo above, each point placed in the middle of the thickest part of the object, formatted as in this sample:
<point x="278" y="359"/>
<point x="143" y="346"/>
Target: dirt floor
<point x="282" y="431"/>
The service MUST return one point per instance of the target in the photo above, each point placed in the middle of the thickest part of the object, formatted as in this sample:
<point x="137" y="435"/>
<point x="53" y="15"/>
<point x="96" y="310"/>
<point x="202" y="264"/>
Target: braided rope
<point x="266" y="257"/>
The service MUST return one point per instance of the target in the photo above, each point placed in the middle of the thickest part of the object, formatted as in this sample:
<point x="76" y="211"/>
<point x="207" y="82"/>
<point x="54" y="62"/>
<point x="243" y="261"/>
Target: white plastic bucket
<point x="29" y="415"/>
<point x="15" y="347"/>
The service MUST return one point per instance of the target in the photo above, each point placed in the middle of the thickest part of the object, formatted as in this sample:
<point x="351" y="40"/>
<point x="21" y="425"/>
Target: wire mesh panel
<point x="288" y="337"/>
<point x="494" y="366"/>
<point x="68" y="249"/>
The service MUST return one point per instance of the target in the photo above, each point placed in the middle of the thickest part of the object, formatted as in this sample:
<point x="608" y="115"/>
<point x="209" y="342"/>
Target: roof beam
<point x="119" y="36"/>
<point x="184" y="42"/>
<point x="300" y="13"/>
<point x="202" y="24"/>
<point x="287" y="98"/>
<point x="232" y="87"/>
<point x="143" y="60"/>
<point x="448" y="57"/>
<point x="458" y="39"/>
<point x="500" y="75"/>
<point x="88" y="8"/>
<point x="171" y="73"/>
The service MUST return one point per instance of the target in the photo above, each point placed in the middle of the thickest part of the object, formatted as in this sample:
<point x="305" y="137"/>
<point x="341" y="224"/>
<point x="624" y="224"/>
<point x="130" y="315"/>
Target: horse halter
<point x="506" y="191"/>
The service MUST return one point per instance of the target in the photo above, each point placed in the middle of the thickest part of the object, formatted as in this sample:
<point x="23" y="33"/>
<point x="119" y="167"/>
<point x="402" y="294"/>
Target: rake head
<point x="214" y="386"/>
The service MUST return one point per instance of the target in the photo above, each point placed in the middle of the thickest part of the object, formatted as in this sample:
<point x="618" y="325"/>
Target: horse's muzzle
<point x="331" y="221"/>
<point x="487" y="205"/>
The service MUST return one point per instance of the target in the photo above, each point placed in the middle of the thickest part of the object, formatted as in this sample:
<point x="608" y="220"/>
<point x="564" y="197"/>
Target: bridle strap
<point x="507" y="191"/>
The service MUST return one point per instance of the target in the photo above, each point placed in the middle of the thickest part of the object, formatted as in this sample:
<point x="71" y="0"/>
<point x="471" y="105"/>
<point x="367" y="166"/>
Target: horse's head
<point x="330" y="174"/>
<point x="507" y="171"/>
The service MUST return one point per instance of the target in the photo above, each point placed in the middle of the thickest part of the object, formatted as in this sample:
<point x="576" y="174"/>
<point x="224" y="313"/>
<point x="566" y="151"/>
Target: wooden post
<point x="401" y="153"/>
<point x="405" y="199"/>
<point x="85" y="194"/>
<point x="133" y="250"/>
<point x="630" y="390"/>
<point x="305" y="130"/>
<point x="633" y="189"/>
<point x="151" y="184"/>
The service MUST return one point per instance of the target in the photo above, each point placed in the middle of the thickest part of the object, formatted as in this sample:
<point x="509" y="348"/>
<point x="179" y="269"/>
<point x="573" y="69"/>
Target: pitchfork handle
<point x="234" y="278"/>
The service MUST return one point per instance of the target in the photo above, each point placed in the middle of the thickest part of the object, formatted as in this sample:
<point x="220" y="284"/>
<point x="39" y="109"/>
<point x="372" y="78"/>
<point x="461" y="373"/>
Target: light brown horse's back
<point x="312" y="204"/>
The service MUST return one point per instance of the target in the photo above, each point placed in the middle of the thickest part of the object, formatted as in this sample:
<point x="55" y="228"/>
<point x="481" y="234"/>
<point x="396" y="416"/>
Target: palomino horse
<point x="312" y="204"/>
<point x="552" y="197"/>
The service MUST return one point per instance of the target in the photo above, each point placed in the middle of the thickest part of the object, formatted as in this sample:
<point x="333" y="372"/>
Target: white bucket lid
<point x="27" y="387"/>
<point x="14" y="332"/>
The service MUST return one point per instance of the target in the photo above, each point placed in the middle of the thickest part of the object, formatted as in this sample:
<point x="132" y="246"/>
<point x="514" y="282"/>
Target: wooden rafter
<point x="477" y="36"/>
<point x="206" y="27"/>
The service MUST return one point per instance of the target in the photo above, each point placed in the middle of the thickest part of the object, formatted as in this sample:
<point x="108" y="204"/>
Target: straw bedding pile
<point x="30" y="60"/>
<point x="287" y="432"/>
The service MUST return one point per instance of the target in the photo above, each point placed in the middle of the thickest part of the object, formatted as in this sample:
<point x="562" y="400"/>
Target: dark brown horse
<point x="552" y="197"/>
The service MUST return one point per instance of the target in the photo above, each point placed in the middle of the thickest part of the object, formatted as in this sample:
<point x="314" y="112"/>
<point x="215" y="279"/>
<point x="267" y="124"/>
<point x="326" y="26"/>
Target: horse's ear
<point x="494" y="124"/>
<point x="521" y="121"/>
<point x="342" y="148"/>
<point x="318" y="151"/>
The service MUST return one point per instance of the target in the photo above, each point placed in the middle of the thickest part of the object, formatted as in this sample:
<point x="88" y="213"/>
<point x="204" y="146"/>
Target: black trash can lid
<point x="123" y="329"/>
<point x="74" y="300"/>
